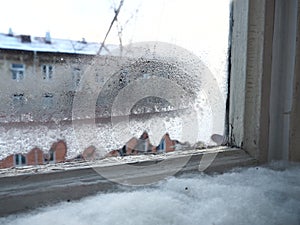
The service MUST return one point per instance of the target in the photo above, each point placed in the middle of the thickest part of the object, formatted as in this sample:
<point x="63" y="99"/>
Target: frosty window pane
<point x="163" y="66"/>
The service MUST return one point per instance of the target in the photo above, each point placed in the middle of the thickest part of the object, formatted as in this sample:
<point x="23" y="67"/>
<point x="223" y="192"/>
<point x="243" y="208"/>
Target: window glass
<point x="18" y="99"/>
<point x="47" y="71"/>
<point x="20" y="160"/>
<point x="162" y="69"/>
<point x="51" y="156"/>
<point x="17" y="71"/>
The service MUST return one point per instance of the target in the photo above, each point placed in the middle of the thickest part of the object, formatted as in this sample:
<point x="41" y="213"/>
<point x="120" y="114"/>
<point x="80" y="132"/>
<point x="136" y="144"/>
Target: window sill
<point x="37" y="186"/>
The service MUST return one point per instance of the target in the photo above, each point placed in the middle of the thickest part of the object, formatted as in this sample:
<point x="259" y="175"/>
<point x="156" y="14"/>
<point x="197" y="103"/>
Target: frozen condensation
<point x="105" y="137"/>
<point x="196" y="41"/>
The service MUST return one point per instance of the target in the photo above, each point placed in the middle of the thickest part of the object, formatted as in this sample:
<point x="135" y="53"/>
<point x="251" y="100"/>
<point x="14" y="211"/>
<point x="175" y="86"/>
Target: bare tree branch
<point x="120" y="32"/>
<point x="120" y="29"/>
<point x="111" y="24"/>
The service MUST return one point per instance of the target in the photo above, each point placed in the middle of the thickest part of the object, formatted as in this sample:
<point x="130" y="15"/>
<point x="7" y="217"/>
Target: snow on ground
<point x="258" y="195"/>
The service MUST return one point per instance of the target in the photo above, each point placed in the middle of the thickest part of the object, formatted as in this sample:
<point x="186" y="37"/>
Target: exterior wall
<point x="7" y="162"/>
<point x="170" y="144"/>
<point x="60" y="151"/>
<point x="38" y="105"/>
<point x="89" y="153"/>
<point x="35" y="157"/>
<point x="102" y="77"/>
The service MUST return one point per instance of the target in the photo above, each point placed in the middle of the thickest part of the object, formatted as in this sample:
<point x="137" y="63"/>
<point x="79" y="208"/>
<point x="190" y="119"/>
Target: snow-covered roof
<point x="42" y="44"/>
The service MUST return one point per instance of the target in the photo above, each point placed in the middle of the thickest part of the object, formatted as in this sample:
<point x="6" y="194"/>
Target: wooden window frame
<point x="264" y="65"/>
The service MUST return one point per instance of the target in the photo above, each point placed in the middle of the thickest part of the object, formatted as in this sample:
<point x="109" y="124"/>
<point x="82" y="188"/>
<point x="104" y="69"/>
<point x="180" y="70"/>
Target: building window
<point x="17" y="71"/>
<point x="20" y="160"/>
<point x="52" y="157"/>
<point x="47" y="71"/>
<point x="18" y="99"/>
<point x="47" y="100"/>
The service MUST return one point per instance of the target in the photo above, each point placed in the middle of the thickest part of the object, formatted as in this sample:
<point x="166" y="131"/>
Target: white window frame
<point x="18" y="71"/>
<point x="264" y="64"/>
<point x="19" y="157"/>
<point x="47" y="71"/>
<point x="266" y="127"/>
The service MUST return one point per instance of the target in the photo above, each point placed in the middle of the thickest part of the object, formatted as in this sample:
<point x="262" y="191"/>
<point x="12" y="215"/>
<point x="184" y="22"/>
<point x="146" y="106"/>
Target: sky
<point x="189" y="23"/>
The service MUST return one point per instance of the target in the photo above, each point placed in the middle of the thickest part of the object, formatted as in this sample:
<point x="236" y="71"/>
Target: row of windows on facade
<point x="19" y="99"/>
<point x="20" y="160"/>
<point x="18" y="72"/>
<point x="36" y="156"/>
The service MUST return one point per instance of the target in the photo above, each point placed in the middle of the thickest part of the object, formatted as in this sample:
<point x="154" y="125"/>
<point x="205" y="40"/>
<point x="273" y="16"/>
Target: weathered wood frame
<point x="264" y="82"/>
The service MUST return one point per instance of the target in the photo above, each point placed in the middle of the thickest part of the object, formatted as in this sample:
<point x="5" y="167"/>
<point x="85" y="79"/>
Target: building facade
<point x="40" y="75"/>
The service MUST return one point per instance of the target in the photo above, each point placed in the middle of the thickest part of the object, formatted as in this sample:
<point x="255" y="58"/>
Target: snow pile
<point x="243" y="196"/>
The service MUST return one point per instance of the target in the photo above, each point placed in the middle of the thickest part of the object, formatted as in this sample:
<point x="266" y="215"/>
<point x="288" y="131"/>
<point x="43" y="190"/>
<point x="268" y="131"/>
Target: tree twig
<point x="111" y="24"/>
